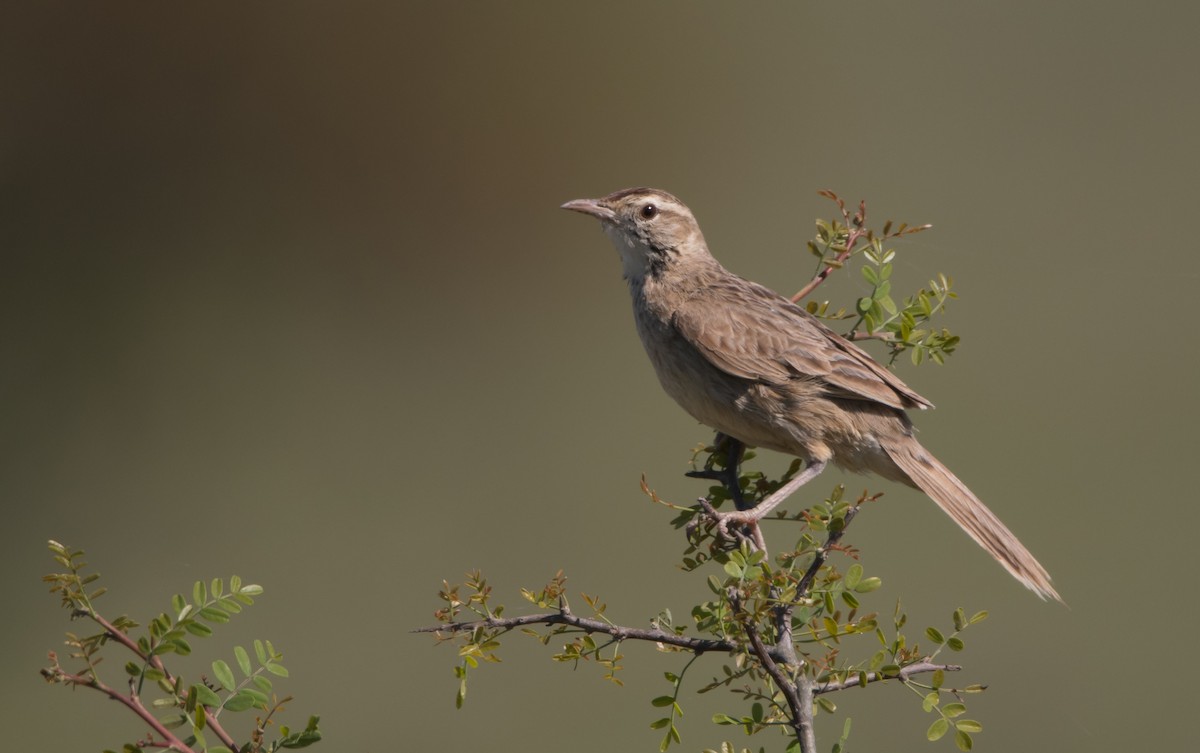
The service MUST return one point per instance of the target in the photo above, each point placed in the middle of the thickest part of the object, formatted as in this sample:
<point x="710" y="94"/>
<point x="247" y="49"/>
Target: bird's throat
<point x="637" y="259"/>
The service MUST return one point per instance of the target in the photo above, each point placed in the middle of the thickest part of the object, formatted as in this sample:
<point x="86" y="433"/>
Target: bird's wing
<point x="751" y="332"/>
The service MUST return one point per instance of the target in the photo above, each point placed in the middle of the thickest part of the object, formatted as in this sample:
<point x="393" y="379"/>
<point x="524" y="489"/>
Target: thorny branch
<point x="588" y="625"/>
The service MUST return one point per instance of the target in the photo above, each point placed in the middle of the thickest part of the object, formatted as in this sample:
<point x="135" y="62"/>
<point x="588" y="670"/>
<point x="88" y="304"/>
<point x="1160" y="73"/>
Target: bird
<point x="756" y="367"/>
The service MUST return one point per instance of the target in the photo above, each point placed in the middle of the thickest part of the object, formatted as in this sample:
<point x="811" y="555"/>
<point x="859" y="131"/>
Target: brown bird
<point x="756" y="367"/>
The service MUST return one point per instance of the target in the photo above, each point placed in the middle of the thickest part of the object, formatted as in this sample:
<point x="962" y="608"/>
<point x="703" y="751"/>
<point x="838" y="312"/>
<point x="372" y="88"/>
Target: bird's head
<point x="651" y="229"/>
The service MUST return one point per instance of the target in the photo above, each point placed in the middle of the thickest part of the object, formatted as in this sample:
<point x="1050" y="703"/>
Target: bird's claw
<point x="747" y="525"/>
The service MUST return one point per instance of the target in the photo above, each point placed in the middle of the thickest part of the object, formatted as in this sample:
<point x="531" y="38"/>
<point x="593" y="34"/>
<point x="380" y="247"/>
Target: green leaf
<point x="243" y="660"/>
<point x="870" y="275"/>
<point x="660" y="723"/>
<point x="724" y="720"/>
<point x="198" y="629"/>
<point x="173" y="721"/>
<point x="277" y="669"/>
<point x="238" y="702"/>
<point x="934" y="635"/>
<point x="963" y="740"/>
<point x="854" y="575"/>
<point x="866" y="585"/>
<point x="163" y="648"/>
<point x="260" y="652"/>
<point x="263" y="683"/>
<point x="968" y="725"/>
<point x="733" y="569"/>
<point x="954" y="709"/>
<point x="930" y="701"/>
<point x="876" y="661"/>
<point x="979" y="617"/>
<point x="830" y="626"/>
<point x="662" y="700"/>
<point x="199" y="593"/>
<point x="960" y="619"/>
<point x="955" y="643"/>
<point x="205" y="695"/>
<point x="939" y="677"/>
<point x="224" y="674"/>
<point x="756" y="713"/>
<point x="826" y="704"/>
<point x="936" y="730"/>
<point x="303" y="739"/>
<point x="212" y="614"/>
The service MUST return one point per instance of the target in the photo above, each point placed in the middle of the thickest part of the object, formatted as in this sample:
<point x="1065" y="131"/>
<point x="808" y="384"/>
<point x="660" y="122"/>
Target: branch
<point x="837" y="263"/>
<point x="587" y="624"/>
<point x="156" y="662"/>
<point x="856" y="228"/>
<point x="132" y="702"/>
<point x="802" y="588"/>
<point x="798" y="695"/>
<point x="915" y="668"/>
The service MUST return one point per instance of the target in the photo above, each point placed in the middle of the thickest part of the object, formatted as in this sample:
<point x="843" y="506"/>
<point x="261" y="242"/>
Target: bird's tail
<point x="957" y="501"/>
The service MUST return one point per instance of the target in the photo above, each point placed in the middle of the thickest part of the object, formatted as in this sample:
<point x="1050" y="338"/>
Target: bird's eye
<point x="649" y="211"/>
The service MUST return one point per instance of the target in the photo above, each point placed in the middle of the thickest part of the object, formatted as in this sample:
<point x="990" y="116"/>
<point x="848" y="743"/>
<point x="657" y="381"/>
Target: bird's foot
<point x="735" y="526"/>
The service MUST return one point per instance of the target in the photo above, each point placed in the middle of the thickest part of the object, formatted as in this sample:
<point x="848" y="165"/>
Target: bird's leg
<point x="751" y="517"/>
<point x="729" y="475"/>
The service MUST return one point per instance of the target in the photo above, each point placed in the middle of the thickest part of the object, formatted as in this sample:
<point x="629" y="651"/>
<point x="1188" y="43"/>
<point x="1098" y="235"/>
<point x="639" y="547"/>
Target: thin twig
<point x="906" y="672"/>
<point x="805" y="584"/>
<point x="837" y="263"/>
<point x="887" y="337"/>
<point x="856" y="228"/>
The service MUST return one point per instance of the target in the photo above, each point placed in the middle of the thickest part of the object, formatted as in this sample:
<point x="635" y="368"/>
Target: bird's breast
<point x="741" y="408"/>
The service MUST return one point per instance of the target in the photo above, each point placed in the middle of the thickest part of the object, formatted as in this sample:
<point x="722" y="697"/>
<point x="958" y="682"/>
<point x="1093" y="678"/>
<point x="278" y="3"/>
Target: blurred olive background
<point x="286" y="293"/>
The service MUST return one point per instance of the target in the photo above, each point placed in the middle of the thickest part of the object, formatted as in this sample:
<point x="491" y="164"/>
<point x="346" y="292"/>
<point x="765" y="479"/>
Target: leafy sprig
<point x="197" y="706"/>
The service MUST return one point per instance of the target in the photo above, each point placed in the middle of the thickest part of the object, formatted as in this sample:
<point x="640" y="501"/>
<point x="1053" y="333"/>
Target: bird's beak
<point x="592" y="207"/>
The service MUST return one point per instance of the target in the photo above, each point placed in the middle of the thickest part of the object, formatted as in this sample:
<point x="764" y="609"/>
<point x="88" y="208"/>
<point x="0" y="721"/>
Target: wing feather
<point x="749" y="331"/>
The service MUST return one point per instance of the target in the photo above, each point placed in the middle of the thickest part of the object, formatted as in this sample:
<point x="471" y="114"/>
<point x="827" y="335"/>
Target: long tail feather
<point x="957" y="501"/>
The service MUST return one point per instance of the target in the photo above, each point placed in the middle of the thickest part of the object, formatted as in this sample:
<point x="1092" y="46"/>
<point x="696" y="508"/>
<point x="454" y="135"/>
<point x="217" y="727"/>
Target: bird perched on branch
<point x="760" y="369"/>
